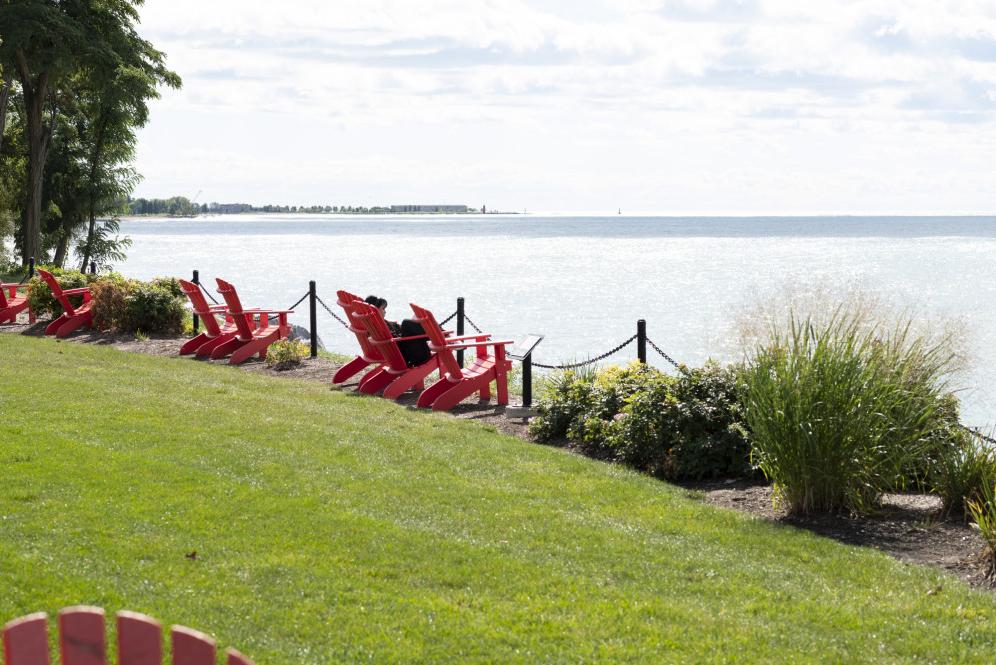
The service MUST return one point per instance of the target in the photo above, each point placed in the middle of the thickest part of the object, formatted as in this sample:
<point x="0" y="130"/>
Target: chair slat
<point x="191" y="647"/>
<point x="235" y="658"/>
<point x="82" y="639"/>
<point x="140" y="639"/>
<point x="25" y="640"/>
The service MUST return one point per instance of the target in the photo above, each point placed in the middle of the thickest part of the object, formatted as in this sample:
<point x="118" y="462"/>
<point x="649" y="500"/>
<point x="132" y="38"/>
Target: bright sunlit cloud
<point x="753" y="106"/>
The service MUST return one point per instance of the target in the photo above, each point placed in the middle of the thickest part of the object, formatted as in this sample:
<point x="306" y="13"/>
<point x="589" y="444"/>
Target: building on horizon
<point x="429" y="208"/>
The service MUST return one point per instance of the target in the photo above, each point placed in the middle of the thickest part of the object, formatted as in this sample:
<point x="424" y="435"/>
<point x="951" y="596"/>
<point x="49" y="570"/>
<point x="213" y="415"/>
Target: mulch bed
<point x="909" y="527"/>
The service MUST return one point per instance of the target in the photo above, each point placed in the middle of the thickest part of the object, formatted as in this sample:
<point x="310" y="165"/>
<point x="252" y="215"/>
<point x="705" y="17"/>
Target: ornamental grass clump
<point x="844" y="409"/>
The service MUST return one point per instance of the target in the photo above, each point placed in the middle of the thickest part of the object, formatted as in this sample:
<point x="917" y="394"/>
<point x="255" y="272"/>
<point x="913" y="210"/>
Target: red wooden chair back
<point x="437" y="342"/>
<point x="201" y="307"/>
<point x="4" y="304"/>
<point x="82" y="641"/>
<point x="231" y="297"/>
<point x="347" y="301"/>
<point x="380" y="335"/>
<point x="57" y="293"/>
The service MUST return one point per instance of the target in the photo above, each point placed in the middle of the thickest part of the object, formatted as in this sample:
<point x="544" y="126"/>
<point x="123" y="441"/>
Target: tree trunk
<point x="61" y="249"/>
<point x="35" y="95"/>
<point x="8" y="81"/>
<point x="95" y="157"/>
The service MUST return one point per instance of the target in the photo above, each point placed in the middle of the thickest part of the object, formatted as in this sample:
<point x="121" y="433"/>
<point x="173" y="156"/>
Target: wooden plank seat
<point x="12" y="303"/>
<point x="83" y="641"/>
<point x="203" y="344"/>
<point x="455" y="383"/>
<point x="72" y="318"/>
<point x="369" y="354"/>
<point x="248" y="340"/>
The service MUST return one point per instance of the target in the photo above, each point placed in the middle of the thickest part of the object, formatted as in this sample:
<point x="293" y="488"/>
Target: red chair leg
<point x="456" y="394"/>
<point x="54" y="326"/>
<point x="350" y="369"/>
<point x="413" y="377"/>
<point x="194" y="343"/>
<point x="74" y="323"/>
<point x="375" y="383"/>
<point x="257" y="345"/>
<point x="430" y="394"/>
<point x="226" y="347"/>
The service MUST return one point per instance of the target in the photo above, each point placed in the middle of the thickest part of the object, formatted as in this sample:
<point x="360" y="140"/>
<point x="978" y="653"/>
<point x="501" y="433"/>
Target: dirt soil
<point x="909" y="527"/>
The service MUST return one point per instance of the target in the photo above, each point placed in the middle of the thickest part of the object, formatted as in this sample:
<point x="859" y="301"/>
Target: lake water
<point x="584" y="281"/>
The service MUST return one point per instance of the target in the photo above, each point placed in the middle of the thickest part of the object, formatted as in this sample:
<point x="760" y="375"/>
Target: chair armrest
<point x="14" y="285"/>
<point x="405" y="339"/>
<point x="474" y="345"/>
<point x="76" y="292"/>
<point x="482" y="337"/>
<point x="218" y="308"/>
<point x="263" y="310"/>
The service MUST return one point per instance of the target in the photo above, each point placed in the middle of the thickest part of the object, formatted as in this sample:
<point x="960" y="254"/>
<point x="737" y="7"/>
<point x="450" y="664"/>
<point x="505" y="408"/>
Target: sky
<point x="666" y="106"/>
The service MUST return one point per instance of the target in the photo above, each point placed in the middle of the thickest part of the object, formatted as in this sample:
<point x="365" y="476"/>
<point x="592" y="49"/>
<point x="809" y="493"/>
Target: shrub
<point x="110" y="295"/>
<point x="286" y="353"/>
<point x="983" y="511"/>
<point x="685" y="427"/>
<point x="40" y="298"/>
<point x="689" y="428"/>
<point x="843" y="410"/>
<point x="963" y="472"/>
<point x="170" y="284"/>
<point x="152" y="309"/>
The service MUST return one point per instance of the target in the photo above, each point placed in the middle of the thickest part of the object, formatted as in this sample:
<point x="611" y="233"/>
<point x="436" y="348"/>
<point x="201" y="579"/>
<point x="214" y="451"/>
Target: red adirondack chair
<point x="369" y="354"/>
<point x="249" y="341"/>
<point x="203" y="344"/>
<point x="393" y="376"/>
<point x="12" y="304"/>
<point x="455" y="383"/>
<point x="72" y="318"/>
<point x="82" y="641"/>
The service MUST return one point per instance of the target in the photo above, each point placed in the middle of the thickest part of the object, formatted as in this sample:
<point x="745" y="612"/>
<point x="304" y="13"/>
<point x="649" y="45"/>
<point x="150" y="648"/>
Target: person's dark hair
<point x="372" y="300"/>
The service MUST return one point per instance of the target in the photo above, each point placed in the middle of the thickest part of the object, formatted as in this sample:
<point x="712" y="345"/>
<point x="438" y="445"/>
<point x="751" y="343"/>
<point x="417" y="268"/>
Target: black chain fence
<point x="664" y="355"/>
<point x="472" y="324"/>
<point x="448" y="319"/>
<point x="975" y="431"/>
<point x="590" y="361"/>
<point x="329" y="310"/>
<point x="207" y="293"/>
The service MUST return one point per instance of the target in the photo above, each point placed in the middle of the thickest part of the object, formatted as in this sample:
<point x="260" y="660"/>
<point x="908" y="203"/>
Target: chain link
<point x="207" y="293"/>
<point x="331" y="313"/>
<point x="664" y="355"/>
<point x="271" y="317"/>
<point x="472" y="324"/>
<point x="448" y="319"/>
<point x="976" y="432"/>
<point x="590" y="361"/>
<point x="25" y="278"/>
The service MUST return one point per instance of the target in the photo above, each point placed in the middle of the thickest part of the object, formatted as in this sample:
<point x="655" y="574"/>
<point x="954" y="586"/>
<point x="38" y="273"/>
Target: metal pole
<point x="527" y="381"/>
<point x="196" y="280"/>
<point x="460" y="328"/>
<point x="93" y="267"/>
<point x="31" y="267"/>
<point x="312" y="305"/>
<point x="641" y="340"/>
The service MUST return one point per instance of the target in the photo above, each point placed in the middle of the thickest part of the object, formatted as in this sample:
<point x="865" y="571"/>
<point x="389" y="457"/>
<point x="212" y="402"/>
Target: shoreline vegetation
<point x="181" y="206"/>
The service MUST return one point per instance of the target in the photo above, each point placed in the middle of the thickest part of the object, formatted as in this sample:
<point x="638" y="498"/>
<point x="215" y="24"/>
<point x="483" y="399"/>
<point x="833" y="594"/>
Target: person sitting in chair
<point x="381" y="304"/>
<point x="414" y="351"/>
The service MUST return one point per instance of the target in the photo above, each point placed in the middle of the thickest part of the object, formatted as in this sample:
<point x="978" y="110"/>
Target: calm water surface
<point x="584" y="281"/>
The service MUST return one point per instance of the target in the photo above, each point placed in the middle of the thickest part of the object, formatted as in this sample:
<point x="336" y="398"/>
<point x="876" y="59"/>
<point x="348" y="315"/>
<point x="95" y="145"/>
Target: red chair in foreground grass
<point x="249" y="341"/>
<point x="83" y="641"/>
<point x="12" y="304"/>
<point x="455" y="383"/>
<point x="203" y="344"/>
<point x="394" y="376"/>
<point x="73" y="318"/>
<point x="369" y="355"/>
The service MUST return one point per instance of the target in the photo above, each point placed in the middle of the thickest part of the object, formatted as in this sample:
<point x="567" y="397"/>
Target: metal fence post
<point x="641" y="340"/>
<point x="196" y="280"/>
<point x="527" y="381"/>
<point x="312" y="306"/>
<point x="93" y="267"/>
<point x="31" y="267"/>
<point x="460" y="328"/>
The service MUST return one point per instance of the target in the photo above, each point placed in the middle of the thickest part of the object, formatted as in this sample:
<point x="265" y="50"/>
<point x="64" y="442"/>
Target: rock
<point x="303" y="334"/>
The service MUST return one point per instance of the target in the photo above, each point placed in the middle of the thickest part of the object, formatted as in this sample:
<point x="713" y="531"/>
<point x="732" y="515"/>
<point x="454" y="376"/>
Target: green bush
<point x="152" y="308"/>
<point x="684" y="427"/>
<point x="983" y="512"/>
<point x="963" y="472"/>
<point x="843" y="410"/>
<point x="286" y="353"/>
<point x="40" y="298"/>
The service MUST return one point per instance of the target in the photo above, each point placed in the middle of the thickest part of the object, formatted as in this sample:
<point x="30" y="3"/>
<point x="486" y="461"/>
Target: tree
<point x="56" y="45"/>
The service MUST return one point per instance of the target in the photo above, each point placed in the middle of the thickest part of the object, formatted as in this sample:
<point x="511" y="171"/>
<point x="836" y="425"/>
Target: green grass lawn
<point x="335" y="528"/>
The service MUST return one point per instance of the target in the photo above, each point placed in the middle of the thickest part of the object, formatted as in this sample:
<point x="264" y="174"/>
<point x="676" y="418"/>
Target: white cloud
<point x="752" y="105"/>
